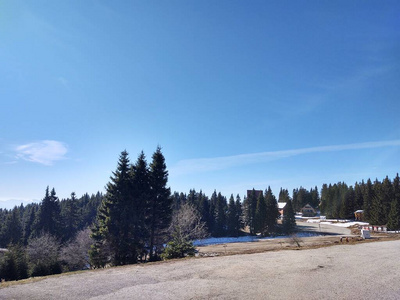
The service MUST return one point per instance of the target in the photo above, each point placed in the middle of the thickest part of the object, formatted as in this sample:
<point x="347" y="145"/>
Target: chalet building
<point x="281" y="207"/>
<point x="308" y="211"/>
<point x="359" y="215"/>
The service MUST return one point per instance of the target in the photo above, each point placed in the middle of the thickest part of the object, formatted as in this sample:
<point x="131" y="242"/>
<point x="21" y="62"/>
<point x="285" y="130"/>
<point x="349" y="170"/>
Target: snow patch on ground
<point x="339" y="223"/>
<point x="246" y="239"/>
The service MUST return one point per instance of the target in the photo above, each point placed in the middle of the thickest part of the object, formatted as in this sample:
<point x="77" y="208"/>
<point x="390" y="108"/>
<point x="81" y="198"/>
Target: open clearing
<point x="350" y="271"/>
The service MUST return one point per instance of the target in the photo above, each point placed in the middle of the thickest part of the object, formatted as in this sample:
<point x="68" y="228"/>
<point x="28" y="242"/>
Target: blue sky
<point x="238" y="94"/>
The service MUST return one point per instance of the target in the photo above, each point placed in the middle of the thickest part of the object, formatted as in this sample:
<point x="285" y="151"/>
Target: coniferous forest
<point x="138" y="219"/>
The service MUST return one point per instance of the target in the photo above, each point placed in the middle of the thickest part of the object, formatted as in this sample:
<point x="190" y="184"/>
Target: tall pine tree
<point x="233" y="222"/>
<point x="160" y="204"/>
<point x="272" y="211"/>
<point x="112" y="233"/>
<point x="394" y="214"/>
<point x="48" y="216"/>
<point x="289" y="219"/>
<point x="261" y="223"/>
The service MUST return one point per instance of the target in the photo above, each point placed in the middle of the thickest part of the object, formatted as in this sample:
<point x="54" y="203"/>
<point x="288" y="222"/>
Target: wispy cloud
<point x="220" y="163"/>
<point x="43" y="152"/>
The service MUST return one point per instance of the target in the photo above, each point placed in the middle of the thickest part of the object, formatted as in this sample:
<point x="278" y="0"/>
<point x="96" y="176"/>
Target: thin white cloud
<point x="220" y="163"/>
<point x="43" y="152"/>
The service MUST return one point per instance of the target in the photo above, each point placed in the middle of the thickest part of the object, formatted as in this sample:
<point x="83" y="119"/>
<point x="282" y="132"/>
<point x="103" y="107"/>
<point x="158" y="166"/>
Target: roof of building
<point x="281" y="205"/>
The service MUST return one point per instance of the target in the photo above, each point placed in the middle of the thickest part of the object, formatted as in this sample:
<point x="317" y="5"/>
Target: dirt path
<point x="357" y="271"/>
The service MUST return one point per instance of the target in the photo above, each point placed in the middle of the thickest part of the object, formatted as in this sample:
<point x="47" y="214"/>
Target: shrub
<point x="178" y="250"/>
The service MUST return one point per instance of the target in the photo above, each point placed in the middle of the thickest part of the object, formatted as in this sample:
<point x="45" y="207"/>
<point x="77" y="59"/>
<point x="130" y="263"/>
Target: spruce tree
<point x="112" y="234"/>
<point x="48" y="216"/>
<point x="325" y="200"/>
<point x="347" y="207"/>
<point x="394" y="214"/>
<point x="12" y="229"/>
<point x="315" y="199"/>
<point x="232" y="221"/>
<point x="212" y="208"/>
<point x="283" y="196"/>
<point x="239" y="213"/>
<point x="160" y="204"/>
<point x="220" y="216"/>
<point x="289" y="219"/>
<point x="368" y="195"/>
<point x="387" y="197"/>
<point x="137" y="211"/>
<point x="70" y="218"/>
<point x="272" y="211"/>
<point x="261" y="224"/>
<point x="250" y="207"/>
<point x="204" y="211"/>
<point x="358" y="197"/>
<point x="30" y="213"/>
<point x="14" y="265"/>
<point x="295" y="202"/>
<point x="378" y="216"/>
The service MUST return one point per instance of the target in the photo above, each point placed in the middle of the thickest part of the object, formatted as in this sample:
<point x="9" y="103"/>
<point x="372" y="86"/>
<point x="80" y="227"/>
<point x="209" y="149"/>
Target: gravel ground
<point x="356" y="271"/>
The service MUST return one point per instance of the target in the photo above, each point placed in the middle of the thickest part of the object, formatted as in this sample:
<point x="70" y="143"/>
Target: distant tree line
<point x="139" y="220"/>
<point x="47" y="238"/>
<point x="380" y="201"/>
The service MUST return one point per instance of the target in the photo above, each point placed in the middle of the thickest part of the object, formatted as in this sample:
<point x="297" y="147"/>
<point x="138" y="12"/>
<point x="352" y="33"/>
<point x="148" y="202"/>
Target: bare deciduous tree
<point x="76" y="253"/>
<point x="43" y="253"/>
<point x="186" y="224"/>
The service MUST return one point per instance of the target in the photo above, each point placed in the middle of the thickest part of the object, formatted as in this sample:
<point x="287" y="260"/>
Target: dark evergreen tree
<point x="394" y="216"/>
<point x="160" y="204"/>
<point x="239" y="213"/>
<point x="394" y="213"/>
<point x="379" y="206"/>
<point x="250" y="206"/>
<point x="348" y="204"/>
<point x="112" y="234"/>
<point x="204" y="210"/>
<point x="12" y="229"/>
<point x="192" y="198"/>
<point x="283" y="196"/>
<point x="325" y="200"/>
<point x="177" y="200"/>
<point x="48" y="216"/>
<point x="233" y="221"/>
<point x="261" y="222"/>
<point x="368" y="196"/>
<point x="272" y="211"/>
<point x="314" y="198"/>
<point x="29" y="219"/>
<point x="14" y="265"/>
<point x="70" y="218"/>
<point x="386" y="197"/>
<point x="213" y="205"/>
<point x="358" y="197"/>
<point x="138" y="208"/>
<point x="295" y="202"/>
<point x="289" y="219"/>
<point x="220" y="216"/>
